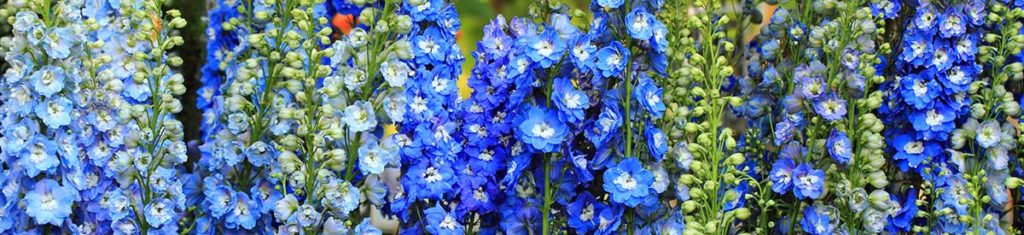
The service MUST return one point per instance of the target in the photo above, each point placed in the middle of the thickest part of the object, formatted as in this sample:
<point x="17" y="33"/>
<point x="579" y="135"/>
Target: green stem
<point x="546" y="209"/>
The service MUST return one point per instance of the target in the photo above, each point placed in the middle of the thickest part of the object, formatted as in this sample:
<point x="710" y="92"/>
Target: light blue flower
<point x="360" y="117"/>
<point x="55" y="112"/>
<point x="49" y="202"/>
<point x="988" y="134"/>
<point x="40" y="156"/>
<point x="48" y="80"/>
<point x="372" y="158"/>
<point x="609" y="3"/>
<point x="244" y="212"/>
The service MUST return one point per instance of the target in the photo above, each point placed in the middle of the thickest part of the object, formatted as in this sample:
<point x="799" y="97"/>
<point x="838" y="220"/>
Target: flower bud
<point x="879" y="199"/>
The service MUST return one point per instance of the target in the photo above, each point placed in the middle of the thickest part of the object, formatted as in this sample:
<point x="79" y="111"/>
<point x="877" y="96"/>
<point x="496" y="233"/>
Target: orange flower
<point x="344" y="22"/>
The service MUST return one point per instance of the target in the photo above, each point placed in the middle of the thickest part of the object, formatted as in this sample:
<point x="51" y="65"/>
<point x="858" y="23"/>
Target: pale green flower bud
<point x="878" y="179"/>
<point x="879" y="199"/>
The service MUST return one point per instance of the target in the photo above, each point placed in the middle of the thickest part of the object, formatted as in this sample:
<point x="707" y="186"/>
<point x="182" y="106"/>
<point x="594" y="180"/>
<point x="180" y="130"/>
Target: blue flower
<point x="906" y="210"/>
<point x="888" y="9"/>
<point x="55" y="112"/>
<point x="218" y="200"/>
<point x="918" y="49"/>
<point x="244" y="212"/>
<point x="640" y="23"/>
<point x="784" y="132"/>
<point x="570" y="102"/>
<point x="372" y="158"/>
<point x="583" y="53"/>
<point x="431" y="181"/>
<point x="830" y="107"/>
<point x="48" y="80"/>
<point x="542" y="130"/>
<point x="609" y="219"/>
<point x="808" y="183"/>
<point x="811" y="87"/>
<point x="952" y="24"/>
<point x="648" y="95"/>
<point x="815" y="222"/>
<point x="360" y="117"/>
<point x="628" y="182"/>
<point x="609" y="3"/>
<point x="657" y="143"/>
<point x="839" y="146"/>
<point x="40" y="156"/>
<point x="439" y="221"/>
<point x="959" y="77"/>
<point x="545" y="48"/>
<point x="602" y="129"/>
<point x="935" y="123"/>
<point x="49" y="202"/>
<point x="782" y="175"/>
<point x="430" y="46"/>
<point x="611" y="60"/>
<point x="911" y="152"/>
<point x="583" y="213"/>
<point x="918" y="90"/>
<point x="159" y="212"/>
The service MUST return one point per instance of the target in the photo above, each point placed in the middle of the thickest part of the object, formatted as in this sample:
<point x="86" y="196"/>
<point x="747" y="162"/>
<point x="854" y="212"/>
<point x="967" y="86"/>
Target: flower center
<point x="614" y="60"/>
<point x="431" y="175"/>
<point x="914" y="147"/>
<point x="626" y="181"/>
<point x="448" y="223"/>
<point x="543" y="130"/>
<point x="587" y="213"/>
<point x="544" y="48"/>
<point x="479" y="195"/>
<point x="933" y="118"/>
<point x="920" y="88"/>
<point x="572" y="100"/>
<point x="49" y="203"/>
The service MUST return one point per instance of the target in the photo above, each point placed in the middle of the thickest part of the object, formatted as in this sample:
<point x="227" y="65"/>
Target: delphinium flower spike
<point x="441" y="190"/>
<point x="335" y="154"/>
<point x="936" y="67"/>
<point x="242" y="96"/>
<point x="704" y="146"/>
<point x="981" y="147"/>
<point x="829" y="142"/>
<point x="65" y="129"/>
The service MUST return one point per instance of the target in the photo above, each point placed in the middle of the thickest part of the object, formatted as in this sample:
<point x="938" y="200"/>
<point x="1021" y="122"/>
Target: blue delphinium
<point x="827" y="121"/>
<point x="542" y="130"/>
<point x="628" y="182"/>
<point x="69" y="139"/>
<point x="985" y="137"/>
